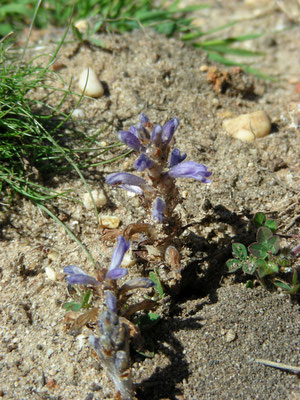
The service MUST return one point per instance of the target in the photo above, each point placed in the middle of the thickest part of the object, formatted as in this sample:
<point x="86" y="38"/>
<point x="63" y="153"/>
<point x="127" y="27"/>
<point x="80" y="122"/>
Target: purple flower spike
<point x="158" y="209"/>
<point x="131" y="140"/>
<point x="116" y="273"/>
<point x="156" y="135"/>
<point x="169" y="130"/>
<point x="111" y="301"/>
<point x="190" y="169"/>
<point x="143" y="162"/>
<point x="76" y="275"/>
<point x="176" y="157"/>
<point x="127" y="181"/>
<point x="119" y="252"/>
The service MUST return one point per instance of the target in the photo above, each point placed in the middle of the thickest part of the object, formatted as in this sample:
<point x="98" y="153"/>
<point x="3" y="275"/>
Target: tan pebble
<point x="89" y="80"/>
<point x="248" y="127"/>
<point x="81" y="25"/>
<point x="230" y="336"/>
<point x="128" y="260"/>
<point x="98" y="196"/>
<point x="184" y="194"/>
<point x="53" y="255"/>
<point x="51" y="274"/>
<point x="103" y="144"/>
<point x="109" y="221"/>
<point x="204" y="68"/>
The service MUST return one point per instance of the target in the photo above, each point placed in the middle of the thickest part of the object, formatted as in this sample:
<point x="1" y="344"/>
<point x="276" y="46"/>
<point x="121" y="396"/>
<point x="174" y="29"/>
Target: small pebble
<point x="109" y="221"/>
<point x="53" y="255"/>
<point x="128" y="260"/>
<point x="99" y="198"/>
<point x="51" y="274"/>
<point x="94" y="87"/>
<point x="230" y="336"/>
<point x="78" y="113"/>
<point x="248" y="127"/>
<point x="204" y="68"/>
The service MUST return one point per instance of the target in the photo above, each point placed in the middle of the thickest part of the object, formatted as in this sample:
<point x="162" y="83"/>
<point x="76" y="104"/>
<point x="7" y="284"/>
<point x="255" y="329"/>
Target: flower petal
<point x="137" y="283"/>
<point x="116" y="273"/>
<point x="158" y="209"/>
<point x="169" y="130"/>
<point x="111" y="301"/>
<point x="131" y="141"/>
<point x="143" y="162"/>
<point x="156" y="135"/>
<point x="144" y="119"/>
<point x="176" y="157"/>
<point x="76" y="276"/>
<point x="190" y="169"/>
<point x="124" y="178"/>
<point x="119" y="252"/>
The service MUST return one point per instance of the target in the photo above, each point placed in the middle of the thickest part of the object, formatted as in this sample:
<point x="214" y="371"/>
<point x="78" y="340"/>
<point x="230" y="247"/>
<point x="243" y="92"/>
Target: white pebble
<point x="51" y="274"/>
<point x="98" y="196"/>
<point x="128" y="260"/>
<point x="230" y="336"/>
<point x="78" y="113"/>
<point x="109" y="221"/>
<point x="248" y="127"/>
<point x="89" y="80"/>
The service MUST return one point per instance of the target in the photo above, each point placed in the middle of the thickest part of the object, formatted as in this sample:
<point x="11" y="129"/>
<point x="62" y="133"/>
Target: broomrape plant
<point x="161" y="164"/>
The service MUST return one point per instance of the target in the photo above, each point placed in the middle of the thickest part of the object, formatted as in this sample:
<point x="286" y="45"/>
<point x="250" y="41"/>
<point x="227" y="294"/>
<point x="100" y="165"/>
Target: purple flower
<point x="156" y="135"/>
<point x="169" y="130"/>
<point x="190" y="169"/>
<point x="111" y="301"/>
<point x="158" y="209"/>
<point x="114" y="272"/>
<point x="131" y="140"/>
<point x="127" y="181"/>
<point x="176" y="157"/>
<point x="143" y="162"/>
<point x="137" y="283"/>
<point x="76" y="275"/>
<point x="144" y="119"/>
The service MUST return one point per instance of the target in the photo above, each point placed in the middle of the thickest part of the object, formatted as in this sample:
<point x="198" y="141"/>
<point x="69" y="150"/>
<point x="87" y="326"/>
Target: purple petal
<point x="169" y="130"/>
<point x="76" y="276"/>
<point x="143" y="118"/>
<point x="124" y="178"/>
<point x="190" y="169"/>
<point x="137" y="283"/>
<point x="156" y="135"/>
<point x="176" y="157"/>
<point x="158" y="209"/>
<point x="131" y="141"/>
<point x="143" y="162"/>
<point x="119" y="252"/>
<point x="111" y="301"/>
<point x="116" y="273"/>
<point x="95" y="342"/>
<point x="133" y="189"/>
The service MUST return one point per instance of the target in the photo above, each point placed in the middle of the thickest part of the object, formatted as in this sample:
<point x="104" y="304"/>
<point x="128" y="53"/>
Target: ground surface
<point x="206" y="344"/>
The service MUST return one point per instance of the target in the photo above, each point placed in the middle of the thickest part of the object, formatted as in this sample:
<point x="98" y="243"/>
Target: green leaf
<point x="258" y="250"/>
<point x="158" y="286"/>
<point x="282" y="285"/>
<point x="72" y="305"/>
<point x="249" y="284"/>
<point x="239" y="250"/>
<point x="147" y="321"/>
<point x="86" y="299"/>
<point x="259" y="219"/>
<point x="271" y="224"/>
<point x="263" y="235"/>
<point x="273" y="244"/>
<point x="233" y="264"/>
<point x="266" y="268"/>
<point x="249" y="267"/>
<point x="295" y="278"/>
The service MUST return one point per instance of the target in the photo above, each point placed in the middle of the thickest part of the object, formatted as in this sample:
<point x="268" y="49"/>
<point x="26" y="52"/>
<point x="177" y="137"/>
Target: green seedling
<point x="159" y="290"/>
<point x="85" y="302"/>
<point x="263" y="257"/>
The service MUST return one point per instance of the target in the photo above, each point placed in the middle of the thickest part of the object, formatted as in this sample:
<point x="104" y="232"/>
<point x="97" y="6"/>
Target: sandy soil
<point x="207" y="342"/>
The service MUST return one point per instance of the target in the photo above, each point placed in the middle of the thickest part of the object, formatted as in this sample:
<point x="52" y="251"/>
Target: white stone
<point x="78" y="113"/>
<point x="89" y="80"/>
<point x="248" y="127"/>
<point x="128" y="260"/>
<point x="109" y="221"/>
<point x="51" y="274"/>
<point x="99" y="198"/>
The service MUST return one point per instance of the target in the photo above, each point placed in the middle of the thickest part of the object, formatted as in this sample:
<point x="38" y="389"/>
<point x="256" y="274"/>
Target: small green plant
<point x="84" y="303"/>
<point x="264" y="257"/>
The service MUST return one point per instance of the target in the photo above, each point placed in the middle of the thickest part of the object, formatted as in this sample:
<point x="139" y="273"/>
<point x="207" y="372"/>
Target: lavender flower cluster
<point x="158" y="193"/>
